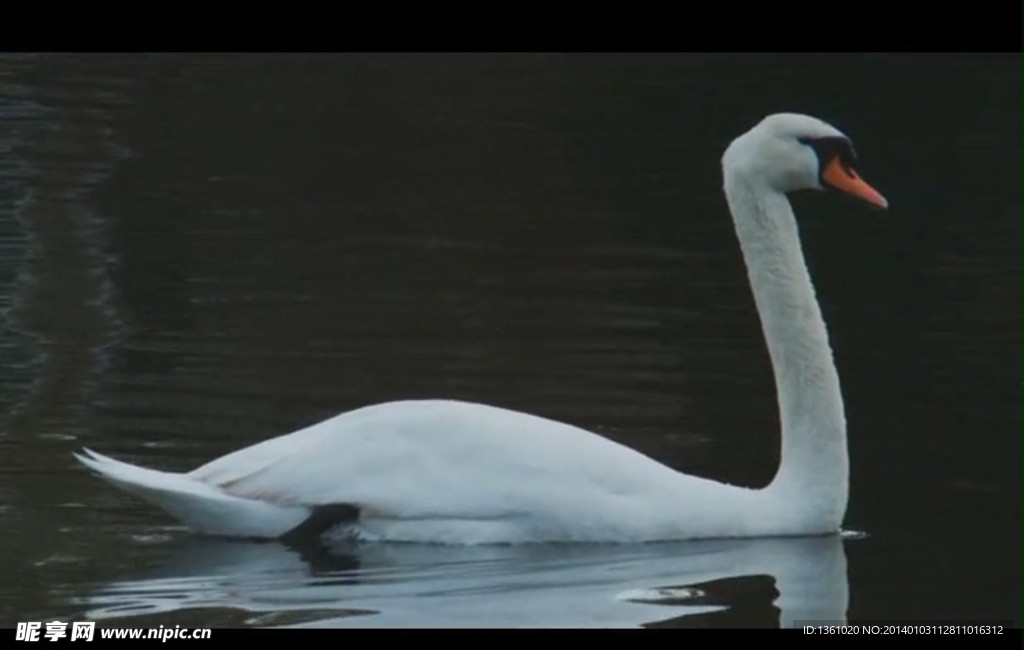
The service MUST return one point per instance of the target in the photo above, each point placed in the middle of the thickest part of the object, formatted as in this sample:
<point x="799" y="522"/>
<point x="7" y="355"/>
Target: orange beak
<point x="848" y="181"/>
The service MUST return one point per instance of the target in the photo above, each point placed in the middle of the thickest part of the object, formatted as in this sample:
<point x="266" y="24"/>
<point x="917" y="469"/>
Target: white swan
<point x="455" y="472"/>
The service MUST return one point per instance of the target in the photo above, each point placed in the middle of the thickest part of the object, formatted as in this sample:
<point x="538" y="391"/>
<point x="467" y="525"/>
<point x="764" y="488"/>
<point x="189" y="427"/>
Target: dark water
<point x="200" y="252"/>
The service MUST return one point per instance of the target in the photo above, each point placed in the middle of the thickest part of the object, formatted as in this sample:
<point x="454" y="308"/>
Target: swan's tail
<point x="200" y="506"/>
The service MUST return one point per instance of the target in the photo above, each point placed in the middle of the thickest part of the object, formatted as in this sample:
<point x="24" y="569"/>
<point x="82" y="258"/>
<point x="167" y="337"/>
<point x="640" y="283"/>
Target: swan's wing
<point x="436" y="459"/>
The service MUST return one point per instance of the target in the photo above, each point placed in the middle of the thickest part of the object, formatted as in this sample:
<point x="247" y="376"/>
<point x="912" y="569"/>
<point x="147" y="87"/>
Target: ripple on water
<point x="220" y="617"/>
<point x="661" y="595"/>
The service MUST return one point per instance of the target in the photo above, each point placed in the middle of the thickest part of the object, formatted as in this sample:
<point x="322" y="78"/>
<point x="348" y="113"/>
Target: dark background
<point x="202" y="251"/>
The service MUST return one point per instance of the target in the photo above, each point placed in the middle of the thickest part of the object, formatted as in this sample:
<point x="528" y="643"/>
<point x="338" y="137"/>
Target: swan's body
<point x="445" y="471"/>
<point x="455" y="472"/>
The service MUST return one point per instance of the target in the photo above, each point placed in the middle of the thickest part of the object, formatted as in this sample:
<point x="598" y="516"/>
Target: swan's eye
<point x="833" y="148"/>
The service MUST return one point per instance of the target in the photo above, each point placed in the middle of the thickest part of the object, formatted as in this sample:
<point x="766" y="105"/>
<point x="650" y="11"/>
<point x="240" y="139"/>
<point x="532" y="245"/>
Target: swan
<point x="443" y="471"/>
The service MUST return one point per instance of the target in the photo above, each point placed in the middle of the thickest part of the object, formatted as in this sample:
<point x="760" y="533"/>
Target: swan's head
<point x="789" y="152"/>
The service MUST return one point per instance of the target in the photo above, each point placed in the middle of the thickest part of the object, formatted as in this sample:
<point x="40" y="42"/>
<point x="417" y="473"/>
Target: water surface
<point x="198" y="252"/>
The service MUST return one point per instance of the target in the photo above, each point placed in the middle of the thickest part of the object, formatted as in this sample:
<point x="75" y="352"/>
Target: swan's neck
<point x="813" y="474"/>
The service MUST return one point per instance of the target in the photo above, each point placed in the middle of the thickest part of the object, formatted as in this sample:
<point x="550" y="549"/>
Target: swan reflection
<point x="740" y="582"/>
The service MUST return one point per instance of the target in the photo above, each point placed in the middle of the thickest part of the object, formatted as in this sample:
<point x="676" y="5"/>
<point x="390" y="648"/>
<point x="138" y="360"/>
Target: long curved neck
<point x="814" y="468"/>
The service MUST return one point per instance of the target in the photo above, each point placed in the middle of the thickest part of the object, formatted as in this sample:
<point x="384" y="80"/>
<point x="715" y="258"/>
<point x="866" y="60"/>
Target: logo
<point x="55" y="631"/>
